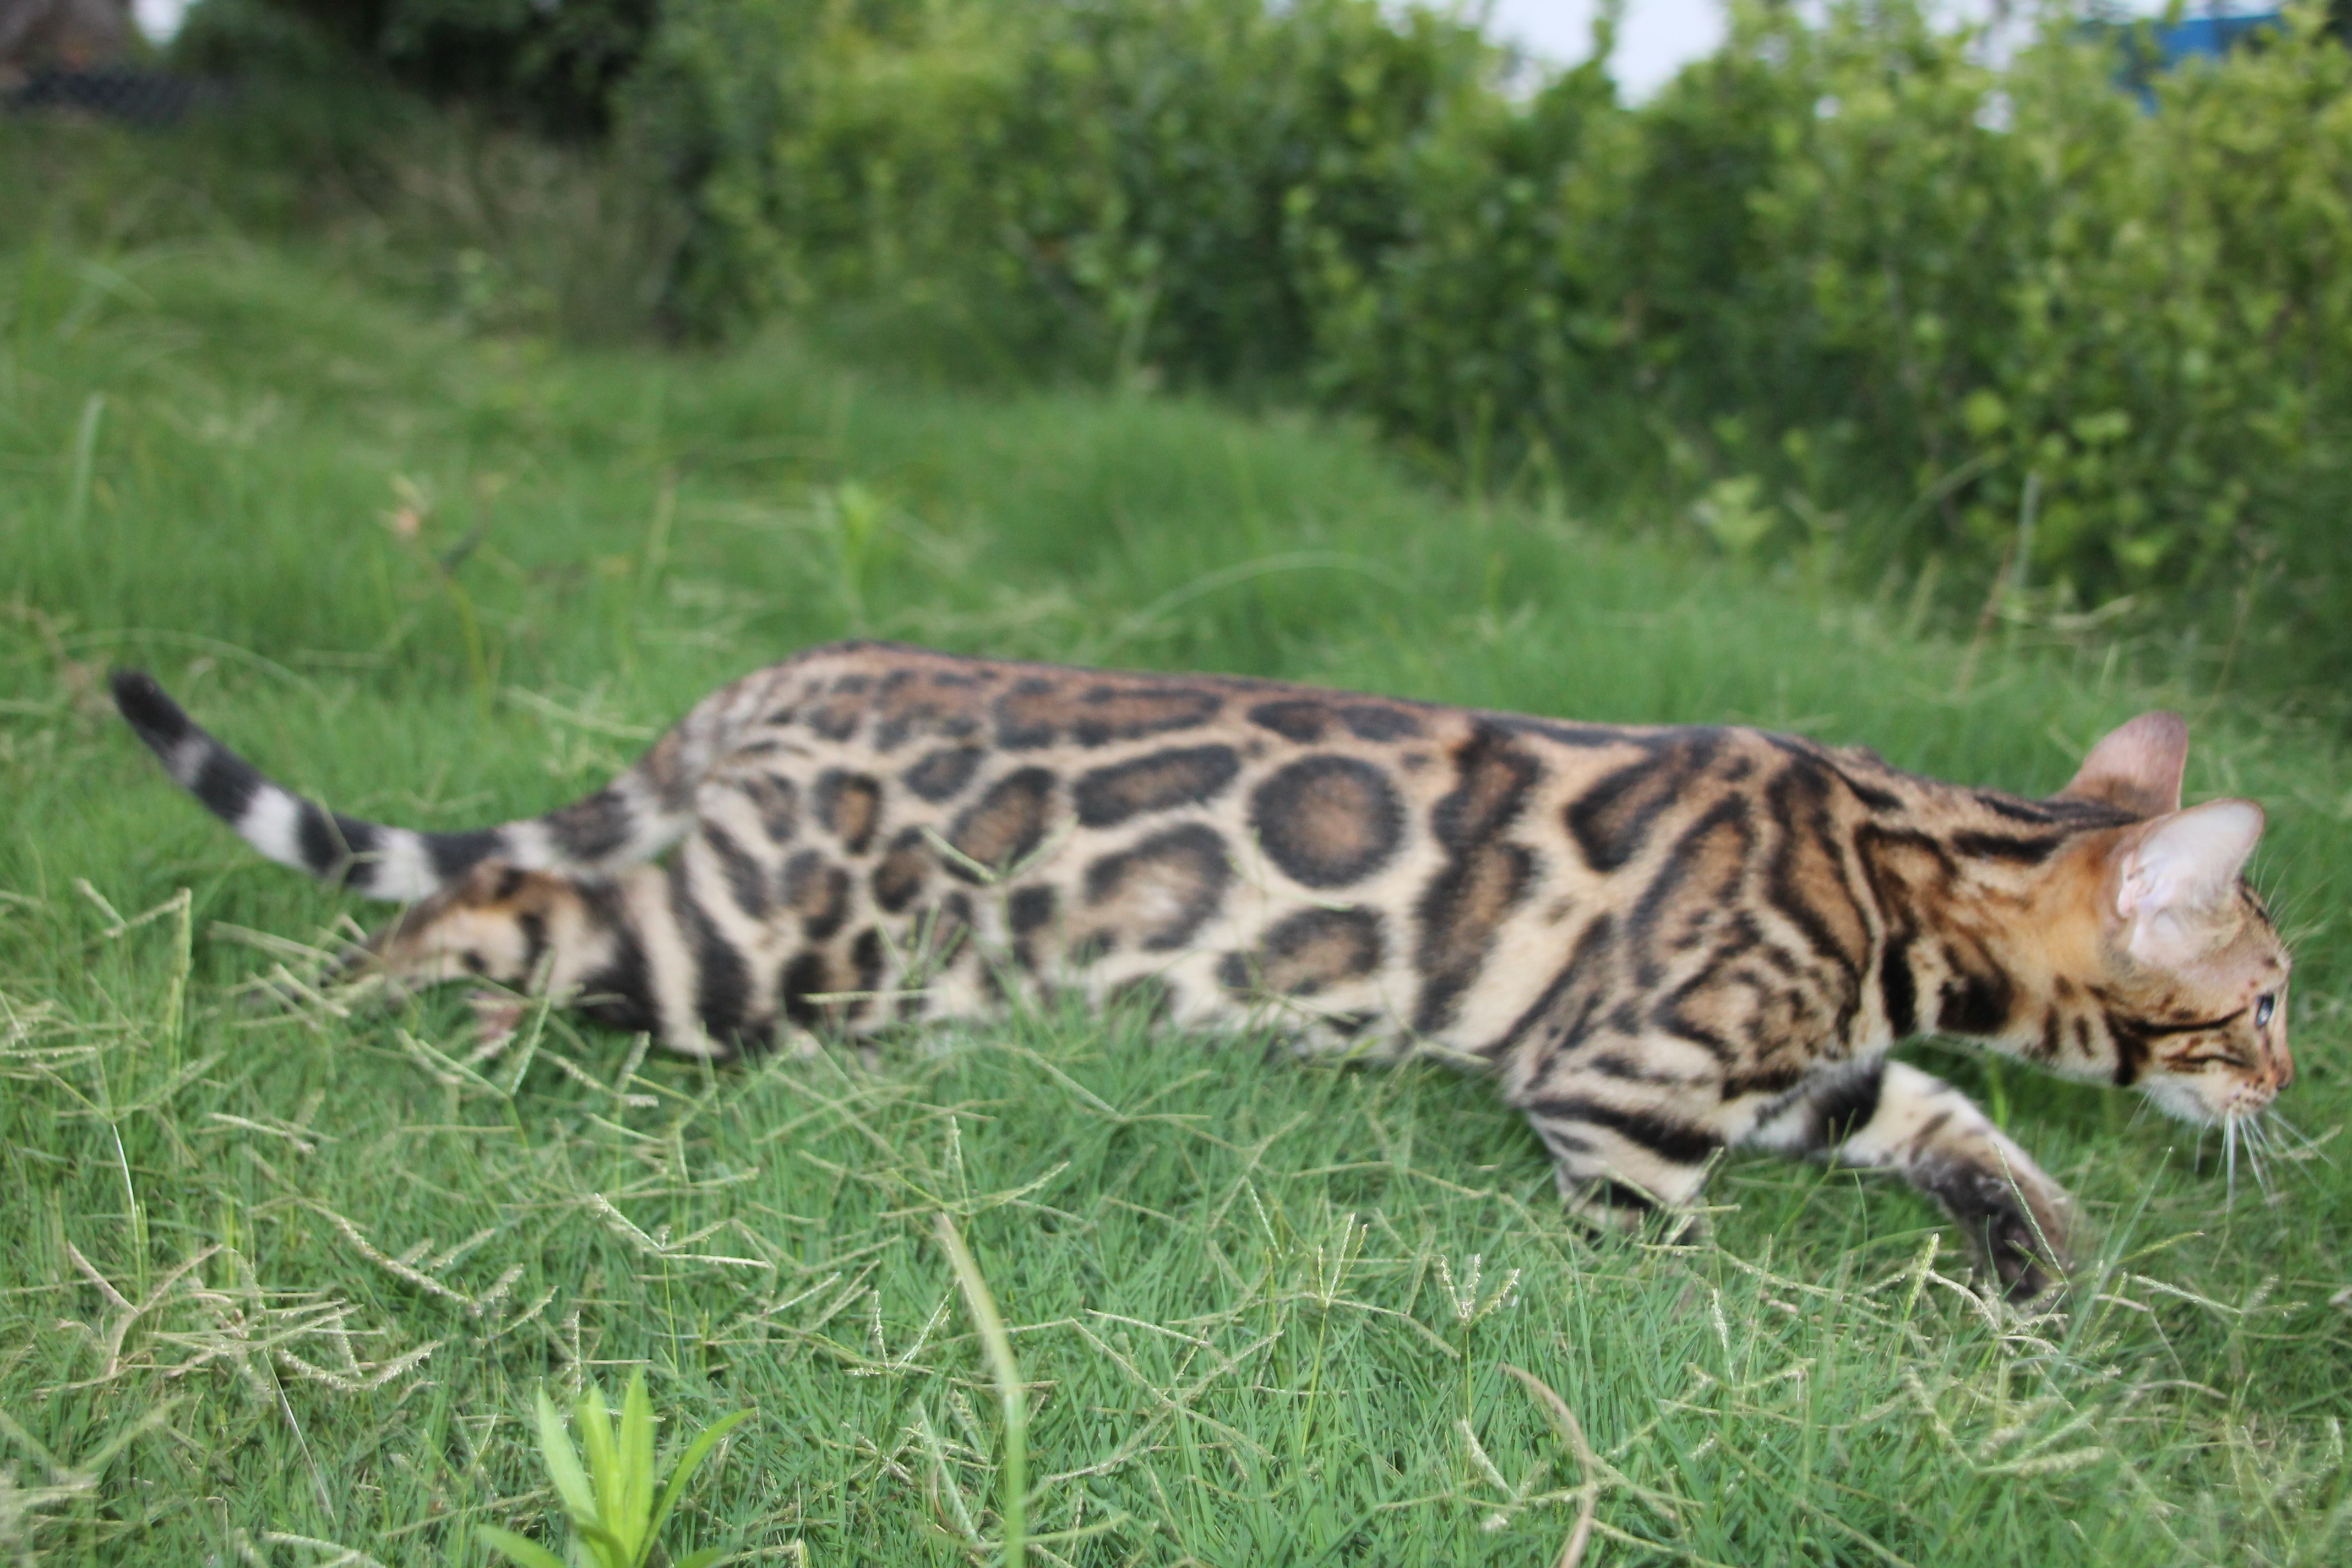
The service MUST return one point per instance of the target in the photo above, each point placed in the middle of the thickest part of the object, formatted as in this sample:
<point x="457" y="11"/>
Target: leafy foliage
<point x="2004" y="319"/>
<point x="1125" y="181"/>
<point x="2048" y="338"/>
<point x="550" y="64"/>
<point x="619" y="1499"/>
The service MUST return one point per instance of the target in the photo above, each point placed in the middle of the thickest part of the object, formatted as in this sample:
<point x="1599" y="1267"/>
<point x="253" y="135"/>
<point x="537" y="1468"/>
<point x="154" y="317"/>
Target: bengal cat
<point x="1662" y="942"/>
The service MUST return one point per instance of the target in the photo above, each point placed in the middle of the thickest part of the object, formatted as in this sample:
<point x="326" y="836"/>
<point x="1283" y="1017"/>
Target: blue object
<point x="2147" y="48"/>
<point x="2212" y="35"/>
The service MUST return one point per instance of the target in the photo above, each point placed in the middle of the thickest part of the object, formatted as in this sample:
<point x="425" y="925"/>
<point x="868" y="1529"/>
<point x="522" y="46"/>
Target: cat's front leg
<point x="2017" y="1219"/>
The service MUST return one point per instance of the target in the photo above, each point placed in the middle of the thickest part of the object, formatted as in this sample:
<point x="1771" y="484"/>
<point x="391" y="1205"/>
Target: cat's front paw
<point x="2018" y="1223"/>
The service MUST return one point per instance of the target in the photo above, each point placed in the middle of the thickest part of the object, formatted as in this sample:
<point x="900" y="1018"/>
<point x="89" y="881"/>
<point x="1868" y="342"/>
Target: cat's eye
<point x="2264" y="1005"/>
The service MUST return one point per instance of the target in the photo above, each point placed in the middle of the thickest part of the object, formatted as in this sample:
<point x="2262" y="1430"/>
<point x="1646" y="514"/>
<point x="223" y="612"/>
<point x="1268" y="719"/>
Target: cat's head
<point x="2192" y="976"/>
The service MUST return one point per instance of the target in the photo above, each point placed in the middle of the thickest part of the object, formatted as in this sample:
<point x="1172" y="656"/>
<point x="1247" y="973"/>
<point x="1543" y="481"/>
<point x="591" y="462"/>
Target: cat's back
<point x="1428" y="865"/>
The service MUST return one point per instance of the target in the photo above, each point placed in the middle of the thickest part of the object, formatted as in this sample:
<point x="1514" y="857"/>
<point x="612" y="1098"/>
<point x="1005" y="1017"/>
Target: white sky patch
<point x="1655" y="39"/>
<point x="159" y="19"/>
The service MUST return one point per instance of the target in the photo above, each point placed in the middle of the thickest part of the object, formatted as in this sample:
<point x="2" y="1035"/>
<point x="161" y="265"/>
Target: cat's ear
<point x="2173" y="873"/>
<point x="2137" y="767"/>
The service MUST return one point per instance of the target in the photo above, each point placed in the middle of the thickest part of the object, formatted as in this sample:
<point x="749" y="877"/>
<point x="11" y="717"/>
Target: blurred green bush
<point x="1844" y="292"/>
<point x="1123" y="184"/>
<point x="551" y="66"/>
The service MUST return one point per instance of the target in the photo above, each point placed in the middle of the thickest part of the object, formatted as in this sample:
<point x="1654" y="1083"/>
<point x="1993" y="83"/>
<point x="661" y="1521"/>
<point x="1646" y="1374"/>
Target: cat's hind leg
<point x="1621" y="1158"/>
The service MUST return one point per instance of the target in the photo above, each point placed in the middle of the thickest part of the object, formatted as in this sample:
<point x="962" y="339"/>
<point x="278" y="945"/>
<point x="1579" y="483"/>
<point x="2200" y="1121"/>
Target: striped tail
<point x="632" y="819"/>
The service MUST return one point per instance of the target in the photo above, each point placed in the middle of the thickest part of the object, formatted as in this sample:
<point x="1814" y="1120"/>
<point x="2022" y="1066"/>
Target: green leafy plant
<point x="617" y="1501"/>
<point x="1851" y="259"/>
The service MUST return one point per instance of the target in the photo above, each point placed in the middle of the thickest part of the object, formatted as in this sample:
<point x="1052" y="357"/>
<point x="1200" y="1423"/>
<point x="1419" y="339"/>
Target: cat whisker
<point x="2229" y="1159"/>
<point x="2257" y="1146"/>
<point x="2309" y="1145"/>
<point x="2265" y="1146"/>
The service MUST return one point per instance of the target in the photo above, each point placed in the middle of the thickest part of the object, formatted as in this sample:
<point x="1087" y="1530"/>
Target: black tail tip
<point x="143" y="705"/>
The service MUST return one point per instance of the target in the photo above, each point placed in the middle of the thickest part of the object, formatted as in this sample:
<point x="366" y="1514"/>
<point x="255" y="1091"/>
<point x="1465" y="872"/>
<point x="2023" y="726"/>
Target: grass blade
<point x="604" y="1460"/>
<point x="690" y="1461"/>
<point x="636" y="1466"/>
<point x="1013" y="1478"/>
<point x="85" y="462"/>
<point x="517" y="1549"/>
<point x="563" y="1461"/>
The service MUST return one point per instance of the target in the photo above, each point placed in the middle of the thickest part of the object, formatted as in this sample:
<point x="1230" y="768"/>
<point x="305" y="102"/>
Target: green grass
<point x="278" y="1280"/>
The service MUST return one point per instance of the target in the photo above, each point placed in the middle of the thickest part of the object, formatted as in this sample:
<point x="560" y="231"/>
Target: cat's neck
<point x="1991" y="930"/>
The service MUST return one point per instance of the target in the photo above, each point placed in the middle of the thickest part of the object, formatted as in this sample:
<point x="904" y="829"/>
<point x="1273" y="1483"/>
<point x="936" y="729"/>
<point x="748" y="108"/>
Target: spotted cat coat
<point x="1662" y="942"/>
